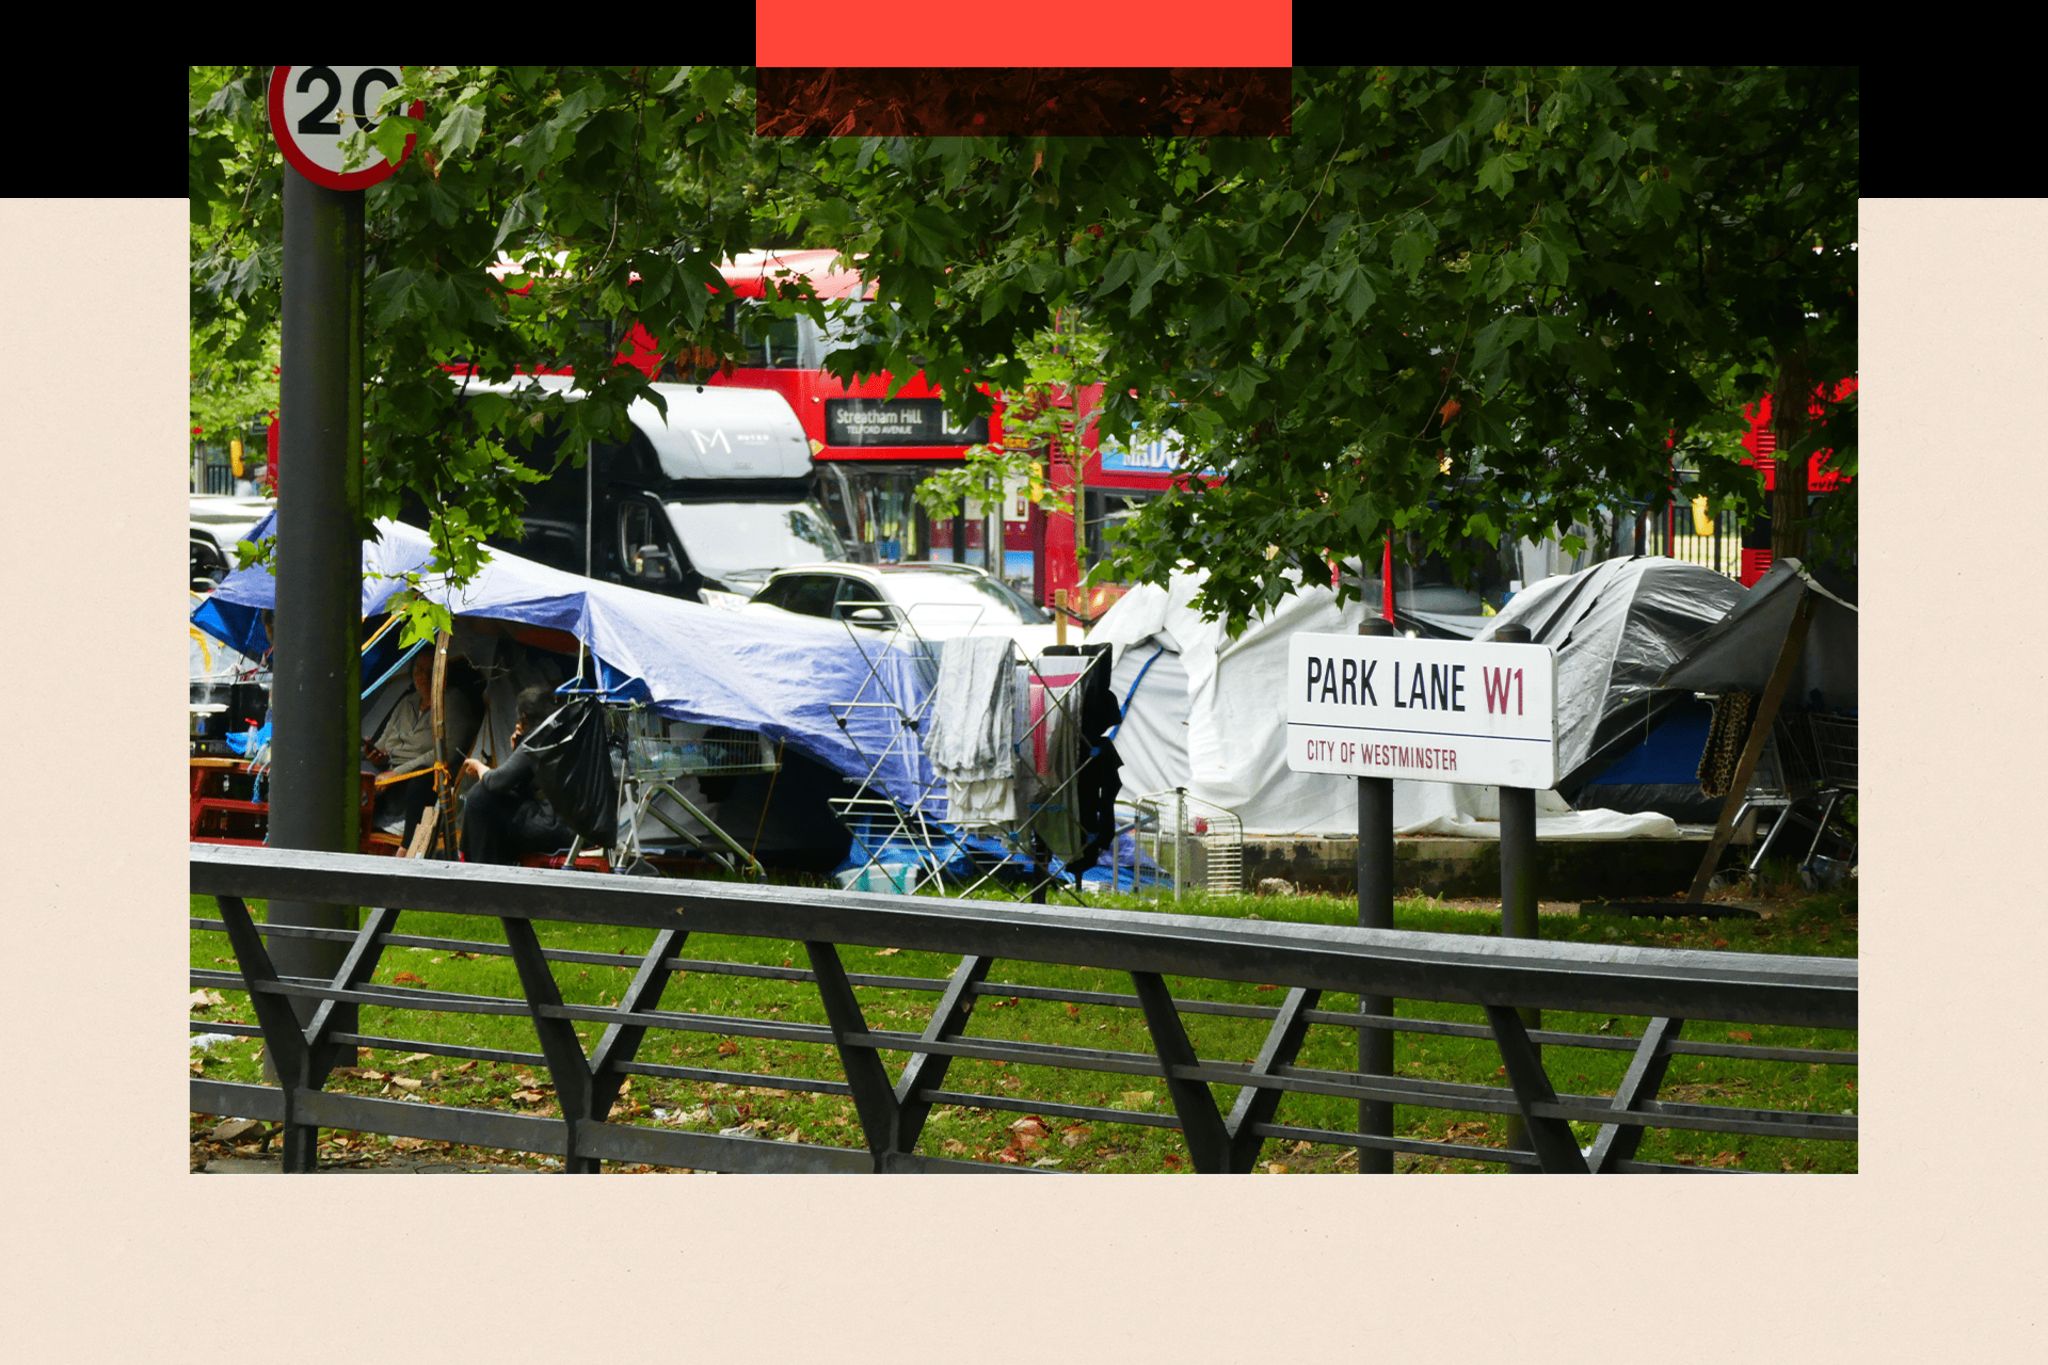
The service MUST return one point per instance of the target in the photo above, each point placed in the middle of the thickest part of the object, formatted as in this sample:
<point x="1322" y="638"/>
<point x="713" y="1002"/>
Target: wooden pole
<point x="1759" y="733"/>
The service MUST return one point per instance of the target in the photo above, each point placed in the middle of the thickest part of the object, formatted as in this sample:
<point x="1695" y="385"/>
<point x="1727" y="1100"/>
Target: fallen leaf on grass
<point x="1170" y="1161"/>
<point x="1276" y="1168"/>
<point x="1137" y="1099"/>
<point x="528" y="1096"/>
<point x="1074" y="1135"/>
<point x="953" y="1147"/>
<point x="406" y="1083"/>
<point x="413" y="1057"/>
<point x="1738" y="1035"/>
<point x="404" y="978"/>
<point x="728" y="1048"/>
<point x="1073" y="1011"/>
<point x="407" y="1144"/>
<point x="887" y="952"/>
<point x="465" y="1068"/>
<point x="206" y="1000"/>
<point x="1029" y="1131"/>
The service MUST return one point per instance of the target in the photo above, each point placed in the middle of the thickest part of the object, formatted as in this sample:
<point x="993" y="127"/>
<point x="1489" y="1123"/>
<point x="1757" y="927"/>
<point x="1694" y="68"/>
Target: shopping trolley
<point x="655" y="753"/>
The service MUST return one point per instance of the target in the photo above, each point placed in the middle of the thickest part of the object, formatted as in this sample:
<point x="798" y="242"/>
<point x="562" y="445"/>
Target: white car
<point x="910" y="603"/>
<point x="219" y="522"/>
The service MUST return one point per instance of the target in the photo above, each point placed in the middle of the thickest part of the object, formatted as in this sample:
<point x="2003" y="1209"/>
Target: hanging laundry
<point x="968" y="734"/>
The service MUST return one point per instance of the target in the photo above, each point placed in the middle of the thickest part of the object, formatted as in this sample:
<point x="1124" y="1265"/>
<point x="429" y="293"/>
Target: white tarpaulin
<point x="1208" y="715"/>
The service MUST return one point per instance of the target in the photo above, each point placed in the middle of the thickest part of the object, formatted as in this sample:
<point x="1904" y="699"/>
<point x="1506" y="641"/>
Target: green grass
<point x="1820" y="926"/>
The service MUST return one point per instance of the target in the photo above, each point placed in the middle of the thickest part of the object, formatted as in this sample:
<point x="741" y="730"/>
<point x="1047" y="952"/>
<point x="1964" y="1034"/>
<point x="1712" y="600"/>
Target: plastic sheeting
<point x="214" y="661"/>
<point x="1209" y="716"/>
<point x="1738" y="654"/>
<point x="780" y="675"/>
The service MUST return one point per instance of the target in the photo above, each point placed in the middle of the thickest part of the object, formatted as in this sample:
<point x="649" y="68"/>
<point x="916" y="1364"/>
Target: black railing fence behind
<point x="308" y="1026"/>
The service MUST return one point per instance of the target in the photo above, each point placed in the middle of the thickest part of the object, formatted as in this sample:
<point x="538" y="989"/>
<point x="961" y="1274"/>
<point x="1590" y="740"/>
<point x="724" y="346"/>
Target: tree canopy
<point x="1452" y="302"/>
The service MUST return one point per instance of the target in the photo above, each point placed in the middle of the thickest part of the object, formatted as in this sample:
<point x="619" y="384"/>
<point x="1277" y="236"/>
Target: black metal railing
<point x="1503" y="977"/>
<point x="1712" y="540"/>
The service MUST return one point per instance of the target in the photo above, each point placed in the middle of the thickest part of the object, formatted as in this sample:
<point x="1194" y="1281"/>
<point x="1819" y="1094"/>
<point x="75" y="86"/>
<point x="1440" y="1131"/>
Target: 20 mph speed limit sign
<point x="313" y="107"/>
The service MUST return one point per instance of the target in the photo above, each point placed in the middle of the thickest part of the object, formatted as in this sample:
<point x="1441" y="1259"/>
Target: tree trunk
<point x="1791" y="415"/>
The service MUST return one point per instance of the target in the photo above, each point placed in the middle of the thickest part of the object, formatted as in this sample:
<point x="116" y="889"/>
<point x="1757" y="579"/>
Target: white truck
<point x="702" y="503"/>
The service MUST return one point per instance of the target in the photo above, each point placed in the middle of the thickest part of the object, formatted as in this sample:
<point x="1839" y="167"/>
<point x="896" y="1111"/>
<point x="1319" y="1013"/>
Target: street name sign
<point x="1423" y="710"/>
<point x="313" y="107"/>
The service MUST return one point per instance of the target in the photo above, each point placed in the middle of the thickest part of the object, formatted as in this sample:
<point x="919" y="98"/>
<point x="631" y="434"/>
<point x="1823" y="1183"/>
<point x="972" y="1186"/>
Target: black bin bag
<point x="572" y="755"/>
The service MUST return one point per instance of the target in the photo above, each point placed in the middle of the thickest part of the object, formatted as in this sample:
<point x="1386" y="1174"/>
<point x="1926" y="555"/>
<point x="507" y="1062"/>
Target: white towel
<point x="968" y="737"/>
<point x="972" y="703"/>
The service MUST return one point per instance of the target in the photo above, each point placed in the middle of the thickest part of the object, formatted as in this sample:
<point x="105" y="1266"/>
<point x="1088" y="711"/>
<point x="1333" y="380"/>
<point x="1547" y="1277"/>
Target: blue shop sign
<point x="1161" y="455"/>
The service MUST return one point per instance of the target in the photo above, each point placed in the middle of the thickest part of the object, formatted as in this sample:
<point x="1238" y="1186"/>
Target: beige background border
<point x="115" y="1251"/>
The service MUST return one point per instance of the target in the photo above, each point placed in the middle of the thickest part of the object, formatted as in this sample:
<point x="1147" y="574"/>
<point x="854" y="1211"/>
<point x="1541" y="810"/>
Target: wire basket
<point x="1834" y="744"/>
<point x="657" y="747"/>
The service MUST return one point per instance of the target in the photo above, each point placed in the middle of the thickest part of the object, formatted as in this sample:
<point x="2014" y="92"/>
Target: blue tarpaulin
<point x="784" y="676"/>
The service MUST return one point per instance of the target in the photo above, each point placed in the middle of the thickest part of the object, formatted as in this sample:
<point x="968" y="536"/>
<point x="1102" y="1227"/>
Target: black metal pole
<point x="1375" y="911"/>
<point x="316" y="745"/>
<point x="1518" y="876"/>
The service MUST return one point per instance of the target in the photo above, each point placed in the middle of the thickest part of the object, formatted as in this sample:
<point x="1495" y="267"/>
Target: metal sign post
<point x="315" y="699"/>
<point x="1377" y="706"/>
<point x="1518" y="883"/>
<point x="1375" y="911"/>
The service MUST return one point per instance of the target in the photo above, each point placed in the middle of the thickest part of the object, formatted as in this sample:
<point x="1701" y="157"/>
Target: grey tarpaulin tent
<point x="1616" y="628"/>
<point x="1792" y="640"/>
<point x="1737" y="654"/>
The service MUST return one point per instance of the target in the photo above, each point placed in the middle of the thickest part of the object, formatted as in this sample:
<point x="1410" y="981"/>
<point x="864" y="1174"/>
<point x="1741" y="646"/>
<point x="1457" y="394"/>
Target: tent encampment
<point x="1205" y="712"/>
<point x="785" y="677"/>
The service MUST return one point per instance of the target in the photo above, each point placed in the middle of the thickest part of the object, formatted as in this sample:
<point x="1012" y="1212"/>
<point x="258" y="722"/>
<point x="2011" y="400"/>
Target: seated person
<point x="505" y="817"/>
<point x="405" y="742"/>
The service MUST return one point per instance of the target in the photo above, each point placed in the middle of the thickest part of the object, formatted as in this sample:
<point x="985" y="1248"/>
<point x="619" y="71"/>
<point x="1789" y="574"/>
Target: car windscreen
<point x="753" y="539"/>
<point x="959" y="595"/>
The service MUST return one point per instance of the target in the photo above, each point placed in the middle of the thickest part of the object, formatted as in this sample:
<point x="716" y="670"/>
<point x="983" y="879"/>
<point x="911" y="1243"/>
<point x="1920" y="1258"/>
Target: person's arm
<point x="509" y="775"/>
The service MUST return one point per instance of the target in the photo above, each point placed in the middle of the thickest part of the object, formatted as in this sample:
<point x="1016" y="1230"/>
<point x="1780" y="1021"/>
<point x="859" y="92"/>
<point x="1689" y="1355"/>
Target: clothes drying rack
<point x="904" y="844"/>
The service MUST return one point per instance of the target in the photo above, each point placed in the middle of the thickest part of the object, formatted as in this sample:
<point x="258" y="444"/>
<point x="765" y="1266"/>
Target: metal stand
<point x="925" y="823"/>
